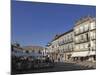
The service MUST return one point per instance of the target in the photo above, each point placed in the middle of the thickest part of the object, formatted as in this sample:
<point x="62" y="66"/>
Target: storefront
<point x="92" y="56"/>
<point x="83" y="56"/>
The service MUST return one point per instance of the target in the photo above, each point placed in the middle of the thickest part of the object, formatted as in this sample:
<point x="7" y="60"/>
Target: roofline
<point x="84" y="19"/>
<point x="62" y="34"/>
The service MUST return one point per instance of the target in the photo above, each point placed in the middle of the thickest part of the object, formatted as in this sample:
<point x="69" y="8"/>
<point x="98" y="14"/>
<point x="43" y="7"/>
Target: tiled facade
<point x="78" y="43"/>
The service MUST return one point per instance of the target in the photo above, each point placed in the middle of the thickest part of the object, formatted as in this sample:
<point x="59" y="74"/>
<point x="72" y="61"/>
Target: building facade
<point x="85" y="39"/>
<point x="61" y="47"/>
<point x="23" y="52"/>
<point x="78" y="44"/>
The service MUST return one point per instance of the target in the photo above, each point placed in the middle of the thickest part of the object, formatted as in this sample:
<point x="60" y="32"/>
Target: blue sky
<point x="36" y="23"/>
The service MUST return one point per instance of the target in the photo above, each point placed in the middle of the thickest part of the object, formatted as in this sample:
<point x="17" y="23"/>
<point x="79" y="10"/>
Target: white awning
<point x="80" y="54"/>
<point x="83" y="53"/>
<point x="92" y="53"/>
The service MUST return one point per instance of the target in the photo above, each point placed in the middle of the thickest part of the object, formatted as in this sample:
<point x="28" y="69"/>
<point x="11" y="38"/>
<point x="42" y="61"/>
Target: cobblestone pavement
<point x="64" y="67"/>
<point x="86" y="64"/>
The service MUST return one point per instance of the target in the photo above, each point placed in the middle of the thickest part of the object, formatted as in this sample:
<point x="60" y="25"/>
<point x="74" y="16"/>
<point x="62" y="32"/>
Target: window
<point x="76" y="39"/>
<point x="77" y="47"/>
<point x="94" y="47"/>
<point x="76" y="31"/>
<point x="92" y="44"/>
<point x="67" y="47"/>
<point x="93" y="26"/>
<point x="85" y="37"/>
<point x="86" y="27"/>
<point x="71" y="37"/>
<point x="64" y="40"/>
<point x="82" y="39"/>
<point x="81" y="29"/>
<point x="68" y="39"/>
<point x="64" y="47"/>
<point x="71" y="46"/>
<point x="92" y="35"/>
<point x="81" y="46"/>
<point x="86" y="45"/>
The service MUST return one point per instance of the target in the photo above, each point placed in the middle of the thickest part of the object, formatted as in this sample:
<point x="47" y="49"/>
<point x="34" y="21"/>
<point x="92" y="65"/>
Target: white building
<point x="61" y="47"/>
<point x="85" y="38"/>
<point x="77" y="44"/>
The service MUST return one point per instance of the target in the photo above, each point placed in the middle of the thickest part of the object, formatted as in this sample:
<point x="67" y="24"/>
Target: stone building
<point x="85" y="39"/>
<point x="26" y="51"/>
<point x="35" y="49"/>
<point x="61" y="46"/>
<point x="77" y="44"/>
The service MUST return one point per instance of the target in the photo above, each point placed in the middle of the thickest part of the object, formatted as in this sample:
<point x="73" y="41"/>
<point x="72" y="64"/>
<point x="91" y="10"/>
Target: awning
<point x="80" y="54"/>
<point x="83" y="53"/>
<point x="92" y="53"/>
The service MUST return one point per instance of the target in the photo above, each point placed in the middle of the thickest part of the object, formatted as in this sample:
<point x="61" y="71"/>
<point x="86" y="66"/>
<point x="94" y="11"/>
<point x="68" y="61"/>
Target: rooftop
<point x="58" y="36"/>
<point x="84" y="19"/>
